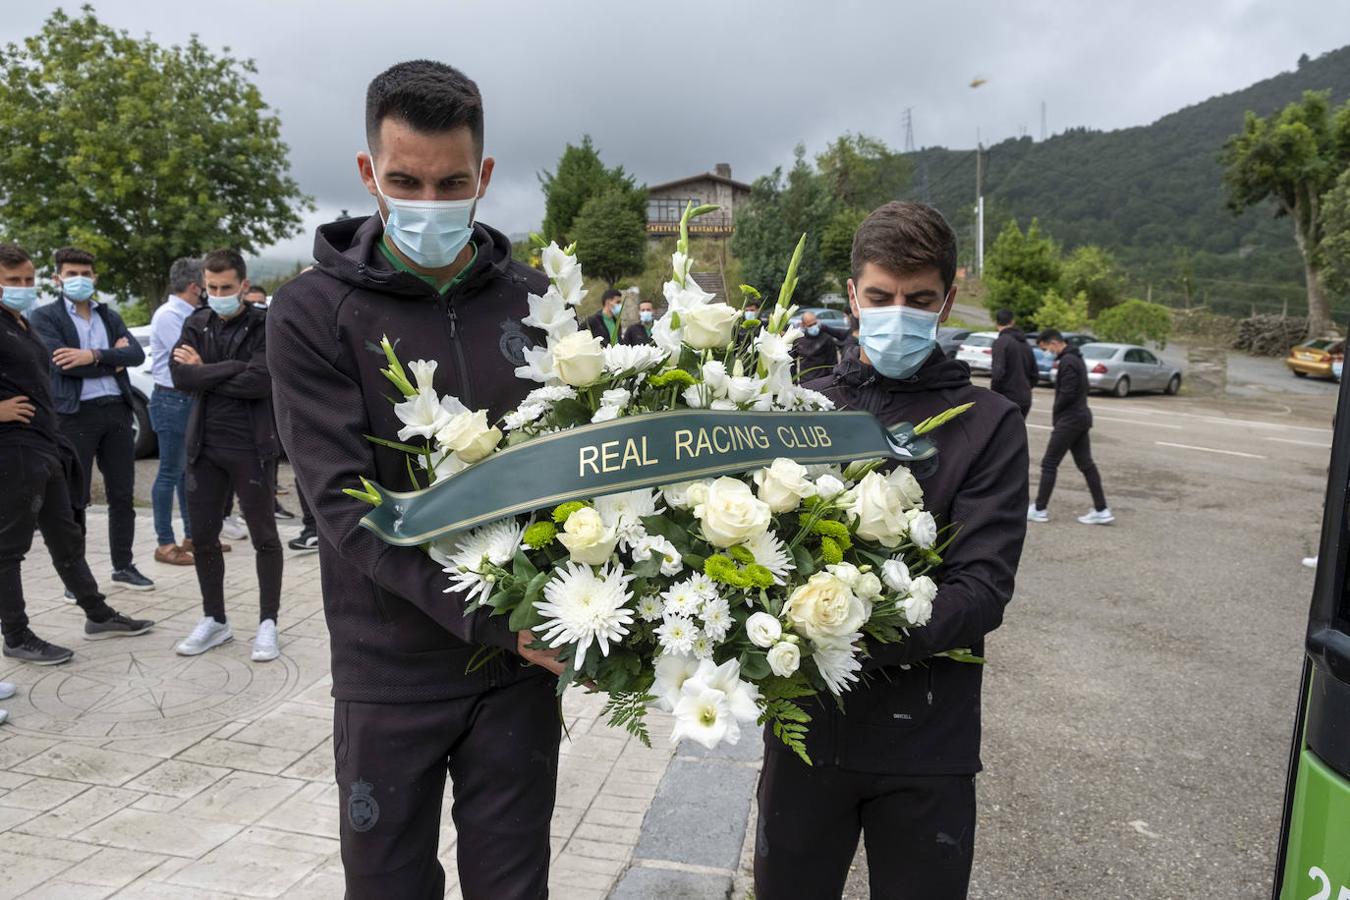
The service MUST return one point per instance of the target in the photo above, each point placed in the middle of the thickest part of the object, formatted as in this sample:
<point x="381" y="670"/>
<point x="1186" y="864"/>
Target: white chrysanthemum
<point x="677" y="634"/>
<point x="800" y="398"/>
<point x="771" y="553"/>
<point x="584" y="608"/>
<point x="650" y="608"/>
<point x="625" y="511"/>
<point x="622" y="358"/>
<point x="716" y="618"/>
<point x="522" y="416"/>
<point x="838" y="663"/>
<point x="551" y="393"/>
<point x="703" y="585"/>
<point x="681" y="599"/>
<point x="702" y="647"/>
<point x="465" y="556"/>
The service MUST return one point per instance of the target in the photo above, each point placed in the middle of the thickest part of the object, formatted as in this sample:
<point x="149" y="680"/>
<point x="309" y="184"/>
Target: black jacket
<point x="234" y="365"/>
<point x="816" y="356"/>
<point x="1071" y="391"/>
<point x="635" y="334"/>
<point x="1014" y="371"/>
<point x="925" y="720"/>
<point x="24" y="359"/>
<point x="52" y="322"/>
<point x="396" y="635"/>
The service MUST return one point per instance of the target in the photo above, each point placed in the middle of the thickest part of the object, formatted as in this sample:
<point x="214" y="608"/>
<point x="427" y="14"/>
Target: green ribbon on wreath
<point x="628" y="454"/>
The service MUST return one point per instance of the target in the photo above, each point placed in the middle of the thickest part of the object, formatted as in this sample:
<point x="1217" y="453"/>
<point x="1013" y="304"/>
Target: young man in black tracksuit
<point x="898" y="763"/>
<point x="1014" y="371"/>
<point x="640" y="332"/>
<point x="1072" y="421"/>
<point x="408" y="709"/>
<point x="231" y="447"/>
<point x="40" y="471"/>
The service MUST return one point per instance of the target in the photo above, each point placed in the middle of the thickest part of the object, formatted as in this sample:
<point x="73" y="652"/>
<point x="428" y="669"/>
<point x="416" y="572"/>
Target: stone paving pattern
<point x="132" y="772"/>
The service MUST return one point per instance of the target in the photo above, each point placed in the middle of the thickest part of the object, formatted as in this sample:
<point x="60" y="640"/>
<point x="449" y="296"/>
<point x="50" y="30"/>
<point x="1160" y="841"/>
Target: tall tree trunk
<point x="1319" y="308"/>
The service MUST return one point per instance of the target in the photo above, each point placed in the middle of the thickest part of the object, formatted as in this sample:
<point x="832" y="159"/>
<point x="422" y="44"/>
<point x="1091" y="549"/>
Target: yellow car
<point x="1316" y="356"/>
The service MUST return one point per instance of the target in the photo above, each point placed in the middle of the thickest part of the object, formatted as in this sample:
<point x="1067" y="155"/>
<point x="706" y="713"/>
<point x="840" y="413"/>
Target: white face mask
<point x="431" y="233"/>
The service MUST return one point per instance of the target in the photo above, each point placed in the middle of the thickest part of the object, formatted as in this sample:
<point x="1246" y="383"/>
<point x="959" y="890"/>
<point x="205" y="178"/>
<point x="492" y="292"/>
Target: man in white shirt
<point x="169" y="409"/>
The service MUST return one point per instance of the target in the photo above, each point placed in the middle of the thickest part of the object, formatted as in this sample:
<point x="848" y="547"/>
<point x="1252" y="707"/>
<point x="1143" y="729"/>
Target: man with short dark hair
<point x="898" y="761"/>
<point x="231" y="445"/>
<point x="442" y="287"/>
<point x="40" y="472"/>
<point x="169" y="408"/>
<point x="1013" y="373"/>
<point x="1072" y="426"/>
<point x="91" y="352"/>
<point x="605" y="323"/>
<point x="816" y="350"/>
<point x="256" y="295"/>
<point x="640" y="332"/>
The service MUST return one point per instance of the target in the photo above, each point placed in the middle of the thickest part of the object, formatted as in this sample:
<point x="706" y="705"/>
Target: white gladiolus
<point x="551" y="314"/>
<point x="672" y="671"/>
<point x="539" y="365"/>
<point x="703" y="715"/>
<point x="423" y="414"/>
<point x="424" y="371"/>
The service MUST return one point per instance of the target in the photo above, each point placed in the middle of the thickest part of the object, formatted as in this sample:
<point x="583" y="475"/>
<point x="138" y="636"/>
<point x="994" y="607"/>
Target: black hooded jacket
<point x="1014" y="371"/>
<point x="395" y="634"/>
<point x="1071" y="391"/>
<point x="918" y="714"/>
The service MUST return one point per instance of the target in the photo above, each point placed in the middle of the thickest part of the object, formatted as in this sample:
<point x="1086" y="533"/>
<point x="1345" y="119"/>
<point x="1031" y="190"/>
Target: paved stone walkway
<point x="132" y="772"/>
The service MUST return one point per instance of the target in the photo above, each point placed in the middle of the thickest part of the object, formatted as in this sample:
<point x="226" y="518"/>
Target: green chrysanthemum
<point x="741" y="555"/>
<point x="837" y="531"/>
<point x="830" y="551"/>
<point x="759" y="576"/>
<point x="562" y="512"/>
<point x="722" y="570"/>
<point x="539" y="535"/>
<point x="672" y="376"/>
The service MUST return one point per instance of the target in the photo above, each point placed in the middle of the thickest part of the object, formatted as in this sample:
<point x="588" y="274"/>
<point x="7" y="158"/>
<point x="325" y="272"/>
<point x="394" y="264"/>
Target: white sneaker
<point x="1037" y="515"/>
<point x="1098" y="517"/>
<point x="232" y="529"/>
<point x="7" y="690"/>
<point x="265" y="642"/>
<point x="1309" y="561"/>
<point x="208" y="633"/>
<point x="4" y="716"/>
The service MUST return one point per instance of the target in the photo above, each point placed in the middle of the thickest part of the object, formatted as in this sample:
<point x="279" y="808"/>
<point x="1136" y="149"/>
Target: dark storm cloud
<point x="670" y="89"/>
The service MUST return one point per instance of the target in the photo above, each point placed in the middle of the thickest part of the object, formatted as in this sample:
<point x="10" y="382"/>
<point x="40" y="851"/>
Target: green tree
<point x="771" y="222"/>
<point x="1019" y="270"/>
<point x="1066" y="314"/>
<point x="863" y="173"/>
<point x="611" y="238"/>
<point x="1336" y="239"/>
<point x="1292" y="158"/>
<point x="1135" y="322"/>
<point x="1093" y="271"/>
<point x="836" y="243"/>
<point x="579" y="176"/>
<point x="137" y="152"/>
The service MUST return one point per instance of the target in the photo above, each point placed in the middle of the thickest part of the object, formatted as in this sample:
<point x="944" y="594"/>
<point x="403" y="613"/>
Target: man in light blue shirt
<point x="169" y="408"/>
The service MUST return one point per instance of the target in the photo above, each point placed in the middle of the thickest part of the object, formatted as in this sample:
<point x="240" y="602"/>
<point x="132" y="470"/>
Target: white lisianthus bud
<point x="896" y="575"/>
<point x="868" y="586"/>
<point x="763" y="629"/>
<point x="784" y="659"/>
<point x="580" y="359"/>
<point x="922" y="528"/>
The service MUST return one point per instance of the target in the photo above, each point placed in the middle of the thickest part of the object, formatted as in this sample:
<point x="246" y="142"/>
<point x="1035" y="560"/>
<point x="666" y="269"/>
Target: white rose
<point x="896" y="575"/>
<point x="468" y="435"/>
<point x="580" y="359"/>
<point x="783" y="485"/>
<point x="918" y="606"/>
<point x="825" y="610"/>
<point x="879" y="511"/>
<point x="868" y="586"/>
<point x="903" y="480"/>
<point x="763" y="629"/>
<point x="922" y="528"/>
<point x="829" y="487"/>
<point x="710" y="326"/>
<point x="731" y="514"/>
<point x="784" y="659"/>
<point x="587" y="538"/>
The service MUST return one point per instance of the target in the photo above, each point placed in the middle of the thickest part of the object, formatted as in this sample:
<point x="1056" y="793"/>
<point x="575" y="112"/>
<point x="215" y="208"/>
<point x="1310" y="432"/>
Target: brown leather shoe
<point x="187" y="545"/>
<point x="173" y="555"/>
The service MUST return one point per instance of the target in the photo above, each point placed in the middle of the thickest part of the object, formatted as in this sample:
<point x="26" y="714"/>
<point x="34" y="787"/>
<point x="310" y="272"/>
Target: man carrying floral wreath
<point x="412" y="700"/>
<point x="898" y="761"/>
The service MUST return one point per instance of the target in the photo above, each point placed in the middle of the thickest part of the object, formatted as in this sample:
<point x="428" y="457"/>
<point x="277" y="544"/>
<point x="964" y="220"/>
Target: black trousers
<point x="210" y="479"/>
<point x="1070" y="439"/>
<point x="919" y="832"/>
<point x="101" y="431"/>
<point x="36" y="496"/>
<point x="306" y="514"/>
<point x="500" y="749"/>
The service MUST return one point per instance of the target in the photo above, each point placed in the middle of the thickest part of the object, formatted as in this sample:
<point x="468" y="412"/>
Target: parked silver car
<point x="1122" y="369"/>
<point x="142" y="386"/>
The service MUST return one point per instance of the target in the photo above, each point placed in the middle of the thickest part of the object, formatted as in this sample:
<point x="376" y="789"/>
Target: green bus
<point x="1314" y="849"/>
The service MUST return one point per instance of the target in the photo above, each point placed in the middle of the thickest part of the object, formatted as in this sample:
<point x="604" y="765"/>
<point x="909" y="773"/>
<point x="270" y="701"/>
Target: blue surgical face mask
<point x="431" y="233"/>
<point x="19" y="299"/>
<point x="751" y="315"/>
<point x="897" y="339"/>
<point x="813" y="330"/>
<point x="646" y="316"/>
<point x="78" y="287"/>
<point x="225" y="307"/>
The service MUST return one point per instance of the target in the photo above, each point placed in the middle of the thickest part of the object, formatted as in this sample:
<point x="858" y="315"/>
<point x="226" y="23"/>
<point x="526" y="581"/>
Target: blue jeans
<point x="169" y="416"/>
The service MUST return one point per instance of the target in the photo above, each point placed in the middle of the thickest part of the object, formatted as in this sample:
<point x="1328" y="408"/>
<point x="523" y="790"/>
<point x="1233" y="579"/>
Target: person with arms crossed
<point x="898" y="762"/>
<point x="40" y="470"/>
<point x="1013" y="373"/>
<point x="91" y="352"/>
<point x="231" y="445"/>
<point x="409" y="711"/>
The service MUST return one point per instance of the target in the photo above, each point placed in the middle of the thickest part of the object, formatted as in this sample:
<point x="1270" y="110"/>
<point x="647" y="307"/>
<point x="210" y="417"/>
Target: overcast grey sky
<point x="669" y="89"/>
